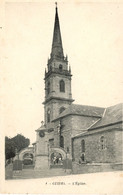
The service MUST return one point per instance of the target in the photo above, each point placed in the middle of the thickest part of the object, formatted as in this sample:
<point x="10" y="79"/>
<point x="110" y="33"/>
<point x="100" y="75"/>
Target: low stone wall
<point x="95" y="167"/>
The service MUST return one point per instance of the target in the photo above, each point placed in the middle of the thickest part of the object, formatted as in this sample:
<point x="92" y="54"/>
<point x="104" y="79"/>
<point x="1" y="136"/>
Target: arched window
<point x="60" y="67"/>
<point x="102" y="143"/>
<point x="62" y="142"/>
<point x="83" y="145"/>
<point x="62" y="86"/>
<point x="48" y="88"/>
<point x="48" y="115"/>
<point x="61" y="110"/>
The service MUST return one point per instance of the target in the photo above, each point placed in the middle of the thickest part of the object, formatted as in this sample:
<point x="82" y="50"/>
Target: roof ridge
<point x="87" y="105"/>
<point x="104" y="113"/>
<point x="83" y="110"/>
<point x="115" y="105"/>
<point x="94" y="123"/>
<point x="111" y="115"/>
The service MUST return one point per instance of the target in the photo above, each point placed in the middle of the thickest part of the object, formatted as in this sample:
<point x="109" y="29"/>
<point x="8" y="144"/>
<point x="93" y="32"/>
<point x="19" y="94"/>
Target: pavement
<point x="93" y="183"/>
<point x="31" y="173"/>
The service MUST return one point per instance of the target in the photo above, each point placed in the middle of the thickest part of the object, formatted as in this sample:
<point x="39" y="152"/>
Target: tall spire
<point x="57" y="50"/>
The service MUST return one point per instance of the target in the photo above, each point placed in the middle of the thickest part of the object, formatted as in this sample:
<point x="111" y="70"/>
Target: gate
<point x="58" y="158"/>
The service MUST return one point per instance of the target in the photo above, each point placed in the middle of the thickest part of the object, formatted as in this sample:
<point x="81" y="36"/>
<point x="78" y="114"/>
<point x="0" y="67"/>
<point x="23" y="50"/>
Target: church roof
<point x="83" y="110"/>
<point x="42" y="128"/>
<point x="113" y="114"/>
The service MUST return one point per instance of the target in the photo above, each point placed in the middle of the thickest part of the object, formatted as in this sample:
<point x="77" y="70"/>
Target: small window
<point x="62" y="86"/>
<point x="83" y="145"/>
<point x="48" y="88"/>
<point x="48" y="115"/>
<point x="60" y="67"/>
<point x="51" y="142"/>
<point x="61" y="110"/>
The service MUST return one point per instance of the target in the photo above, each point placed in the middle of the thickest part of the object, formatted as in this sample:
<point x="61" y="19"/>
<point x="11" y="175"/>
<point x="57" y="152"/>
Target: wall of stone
<point x="93" y="168"/>
<point x="42" y="143"/>
<point x="119" y="145"/>
<point x="54" y="106"/>
<point x="72" y="125"/>
<point x="65" y="132"/>
<point x="55" y="64"/>
<point x="93" y="151"/>
<point x="54" y="86"/>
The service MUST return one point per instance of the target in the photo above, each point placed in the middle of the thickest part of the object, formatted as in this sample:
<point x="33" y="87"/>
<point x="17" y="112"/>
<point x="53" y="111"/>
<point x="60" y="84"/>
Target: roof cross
<point x="42" y="123"/>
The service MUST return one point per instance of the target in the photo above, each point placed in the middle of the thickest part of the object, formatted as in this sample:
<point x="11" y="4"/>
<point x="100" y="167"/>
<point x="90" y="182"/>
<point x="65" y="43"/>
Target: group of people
<point x="57" y="159"/>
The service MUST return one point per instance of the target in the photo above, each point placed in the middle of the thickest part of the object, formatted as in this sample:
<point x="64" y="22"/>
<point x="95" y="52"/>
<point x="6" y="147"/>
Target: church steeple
<point x="58" y="94"/>
<point x="57" y="49"/>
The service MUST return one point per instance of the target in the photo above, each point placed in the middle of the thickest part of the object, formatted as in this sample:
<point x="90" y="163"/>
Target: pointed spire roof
<point x="57" y="50"/>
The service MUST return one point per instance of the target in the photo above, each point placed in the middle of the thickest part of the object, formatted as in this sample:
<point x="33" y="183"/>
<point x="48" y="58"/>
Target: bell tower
<point x="58" y="97"/>
<point x="58" y="94"/>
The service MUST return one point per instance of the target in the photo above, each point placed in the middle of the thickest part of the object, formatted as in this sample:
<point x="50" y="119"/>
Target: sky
<point x="92" y="37"/>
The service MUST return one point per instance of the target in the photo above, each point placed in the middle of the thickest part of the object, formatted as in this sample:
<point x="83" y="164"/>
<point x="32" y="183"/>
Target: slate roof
<point x="42" y="128"/>
<point x="83" y="110"/>
<point x="112" y="115"/>
<point x="34" y="143"/>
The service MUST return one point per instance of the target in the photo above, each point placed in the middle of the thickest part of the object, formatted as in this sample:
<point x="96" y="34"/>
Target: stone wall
<point x="65" y="132"/>
<point x="93" y="168"/>
<point x="54" y="86"/>
<point x="119" y="145"/>
<point x="42" y="143"/>
<point x="93" y="152"/>
<point x="54" y="106"/>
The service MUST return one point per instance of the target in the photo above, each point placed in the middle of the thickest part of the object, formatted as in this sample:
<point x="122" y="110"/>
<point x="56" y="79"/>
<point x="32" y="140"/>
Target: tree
<point x="9" y="148"/>
<point x="18" y="143"/>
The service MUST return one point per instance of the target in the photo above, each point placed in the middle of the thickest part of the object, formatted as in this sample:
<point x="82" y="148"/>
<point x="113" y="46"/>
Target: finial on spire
<point x="56" y="4"/>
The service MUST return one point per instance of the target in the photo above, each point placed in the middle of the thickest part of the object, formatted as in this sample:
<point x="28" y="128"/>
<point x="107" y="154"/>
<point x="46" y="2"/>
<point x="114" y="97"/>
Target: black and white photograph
<point x="61" y="96"/>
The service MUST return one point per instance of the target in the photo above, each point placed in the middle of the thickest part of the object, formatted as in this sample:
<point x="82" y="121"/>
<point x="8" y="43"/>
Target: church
<point x="90" y="137"/>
